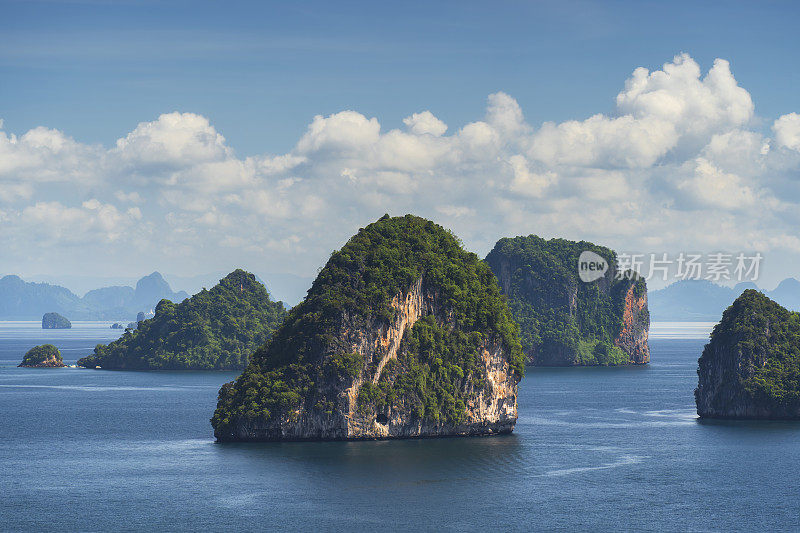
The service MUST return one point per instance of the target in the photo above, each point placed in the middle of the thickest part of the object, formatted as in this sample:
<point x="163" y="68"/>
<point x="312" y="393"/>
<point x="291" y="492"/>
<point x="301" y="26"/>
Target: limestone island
<point x="44" y="356"/>
<point x="750" y="367"/>
<point x="215" y="329"/>
<point x="55" y="321"/>
<point x="565" y="321"/>
<point x="402" y="334"/>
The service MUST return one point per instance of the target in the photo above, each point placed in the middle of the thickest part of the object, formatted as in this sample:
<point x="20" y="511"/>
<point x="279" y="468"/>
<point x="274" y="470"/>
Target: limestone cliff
<point x="633" y="333"/>
<point x="403" y="334"/>
<point x="563" y="320"/>
<point x="751" y="365"/>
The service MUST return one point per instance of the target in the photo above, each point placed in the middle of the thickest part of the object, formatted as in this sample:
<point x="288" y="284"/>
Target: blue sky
<point x="195" y="137"/>
<point x="261" y="70"/>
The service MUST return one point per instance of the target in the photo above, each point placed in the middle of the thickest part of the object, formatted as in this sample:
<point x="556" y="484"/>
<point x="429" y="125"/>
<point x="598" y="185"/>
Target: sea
<point x="594" y="449"/>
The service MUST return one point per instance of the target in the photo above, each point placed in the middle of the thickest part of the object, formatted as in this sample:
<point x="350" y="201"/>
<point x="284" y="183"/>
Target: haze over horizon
<point x="212" y="140"/>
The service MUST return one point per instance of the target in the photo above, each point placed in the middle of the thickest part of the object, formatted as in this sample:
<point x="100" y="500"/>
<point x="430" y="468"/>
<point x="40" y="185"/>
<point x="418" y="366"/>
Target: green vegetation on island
<point x="55" y="321"/>
<point x="320" y="349"/>
<point x="751" y="366"/>
<point x="215" y="329"/>
<point x="43" y="356"/>
<point x="563" y="320"/>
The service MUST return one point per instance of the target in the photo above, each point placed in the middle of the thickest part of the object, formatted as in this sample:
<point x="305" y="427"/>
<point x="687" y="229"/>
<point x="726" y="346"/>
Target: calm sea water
<point x="594" y="449"/>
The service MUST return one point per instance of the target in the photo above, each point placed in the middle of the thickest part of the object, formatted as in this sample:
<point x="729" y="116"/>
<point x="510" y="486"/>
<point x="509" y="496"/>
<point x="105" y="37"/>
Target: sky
<point x="196" y="137"/>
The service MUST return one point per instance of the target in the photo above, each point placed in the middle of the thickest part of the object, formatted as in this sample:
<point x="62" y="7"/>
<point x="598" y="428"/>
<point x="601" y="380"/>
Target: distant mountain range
<point x="288" y="288"/>
<point x="683" y="301"/>
<point x="21" y="300"/>
<point x="704" y="301"/>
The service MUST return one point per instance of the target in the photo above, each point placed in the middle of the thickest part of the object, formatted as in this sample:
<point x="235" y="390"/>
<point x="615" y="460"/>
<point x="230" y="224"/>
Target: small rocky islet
<point x="43" y="356"/>
<point x="750" y="369"/>
<point x="55" y="321"/>
<point x="403" y="334"/>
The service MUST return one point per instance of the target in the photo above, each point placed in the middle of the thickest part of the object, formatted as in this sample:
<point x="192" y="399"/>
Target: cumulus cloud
<point x="425" y="123"/>
<point x="676" y="163"/>
<point x="677" y="94"/>
<point x="787" y="131"/>
<point x="174" y="140"/>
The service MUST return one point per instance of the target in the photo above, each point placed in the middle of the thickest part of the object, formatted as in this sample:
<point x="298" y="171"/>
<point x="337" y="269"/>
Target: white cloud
<point x="526" y="182"/>
<point x="343" y="133"/>
<point x="174" y="140"/>
<point x="710" y="186"/>
<point x="675" y="157"/>
<point x="505" y="115"/>
<point x="787" y="131"/>
<point x="455" y="211"/>
<point x="47" y="155"/>
<point x="53" y="223"/>
<point x="425" y="123"/>
<point x="128" y="197"/>
<point x="677" y="94"/>
<point x="602" y="141"/>
<point x="657" y="112"/>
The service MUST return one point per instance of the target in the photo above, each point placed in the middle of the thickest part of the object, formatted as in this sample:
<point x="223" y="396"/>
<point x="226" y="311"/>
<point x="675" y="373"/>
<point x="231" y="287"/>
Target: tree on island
<point x="215" y="329"/>
<point x="563" y="320"/>
<point x="44" y="356"/>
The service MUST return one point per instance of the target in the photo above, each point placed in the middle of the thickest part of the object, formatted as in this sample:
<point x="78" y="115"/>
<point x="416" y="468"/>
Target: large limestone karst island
<point x="563" y="320"/>
<point x="43" y="356"/>
<point x="215" y="329"/>
<point x="403" y="334"/>
<point x="751" y="366"/>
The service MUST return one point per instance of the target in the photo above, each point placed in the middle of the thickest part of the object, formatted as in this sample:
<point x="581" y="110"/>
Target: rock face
<point x="55" y="321"/>
<point x="215" y="329"/>
<point x="751" y="365"/>
<point x="403" y="334"/>
<point x="565" y="321"/>
<point x="44" y="356"/>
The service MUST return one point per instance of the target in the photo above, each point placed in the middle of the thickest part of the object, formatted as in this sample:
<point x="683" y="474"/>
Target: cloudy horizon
<point x="679" y="159"/>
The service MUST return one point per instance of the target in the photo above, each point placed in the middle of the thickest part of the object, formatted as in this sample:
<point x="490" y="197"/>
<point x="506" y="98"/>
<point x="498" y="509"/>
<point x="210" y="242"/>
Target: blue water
<point x="594" y="449"/>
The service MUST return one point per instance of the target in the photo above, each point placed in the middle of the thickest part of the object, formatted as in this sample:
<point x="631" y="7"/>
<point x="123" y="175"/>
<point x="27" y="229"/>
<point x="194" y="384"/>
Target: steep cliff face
<point x="633" y="333"/>
<point x="402" y="335"/>
<point x="750" y="367"/>
<point x="565" y="321"/>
